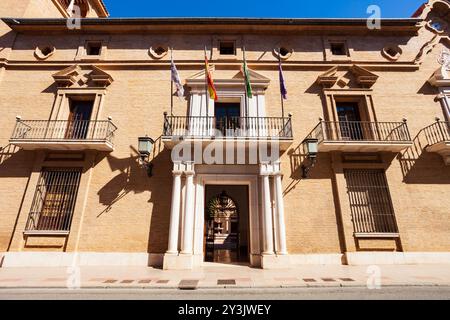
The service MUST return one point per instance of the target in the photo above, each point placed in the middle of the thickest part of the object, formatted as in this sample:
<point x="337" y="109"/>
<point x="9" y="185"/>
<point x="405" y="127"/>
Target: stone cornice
<point x="218" y="25"/>
<point x="197" y="64"/>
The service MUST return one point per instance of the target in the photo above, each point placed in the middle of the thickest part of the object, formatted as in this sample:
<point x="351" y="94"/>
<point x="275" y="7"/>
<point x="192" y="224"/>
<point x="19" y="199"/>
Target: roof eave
<point x="25" y="24"/>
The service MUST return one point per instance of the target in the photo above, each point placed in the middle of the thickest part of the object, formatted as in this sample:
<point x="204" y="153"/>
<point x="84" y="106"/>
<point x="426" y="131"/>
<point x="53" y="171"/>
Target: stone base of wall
<point x="64" y="259"/>
<point x="367" y="258"/>
<point x="317" y="259"/>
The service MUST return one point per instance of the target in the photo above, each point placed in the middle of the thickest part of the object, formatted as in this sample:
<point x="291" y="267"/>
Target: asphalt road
<point x="387" y="293"/>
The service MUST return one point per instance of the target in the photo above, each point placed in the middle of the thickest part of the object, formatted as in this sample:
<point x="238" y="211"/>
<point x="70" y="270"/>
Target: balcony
<point x="207" y="129"/>
<point x="64" y="135"/>
<point x="438" y="139"/>
<point x="361" y="136"/>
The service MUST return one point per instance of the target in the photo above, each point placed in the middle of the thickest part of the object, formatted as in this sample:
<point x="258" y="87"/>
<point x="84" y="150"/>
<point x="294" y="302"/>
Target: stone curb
<point x="309" y="286"/>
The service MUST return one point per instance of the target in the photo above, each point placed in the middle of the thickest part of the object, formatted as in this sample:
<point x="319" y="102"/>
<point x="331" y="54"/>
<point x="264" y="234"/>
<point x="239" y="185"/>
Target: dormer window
<point x="93" y="48"/>
<point x="227" y="48"/>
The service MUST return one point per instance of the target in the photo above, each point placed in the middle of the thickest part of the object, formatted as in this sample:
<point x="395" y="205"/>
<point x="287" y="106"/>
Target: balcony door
<point x="79" y="116"/>
<point x="349" y="121"/>
<point x="228" y="117"/>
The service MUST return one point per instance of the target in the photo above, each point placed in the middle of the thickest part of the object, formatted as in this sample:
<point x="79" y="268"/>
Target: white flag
<point x="70" y="8"/>
<point x="176" y="79"/>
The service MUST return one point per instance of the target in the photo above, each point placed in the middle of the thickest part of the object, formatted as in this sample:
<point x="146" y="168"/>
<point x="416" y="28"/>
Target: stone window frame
<point x="329" y="56"/>
<point x="61" y="107"/>
<point x="226" y="38"/>
<point x="82" y="49"/>
<point x="363" y="97"/>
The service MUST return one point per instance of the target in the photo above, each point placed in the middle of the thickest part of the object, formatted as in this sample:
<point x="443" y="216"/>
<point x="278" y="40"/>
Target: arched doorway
<point x="223" y="239"/>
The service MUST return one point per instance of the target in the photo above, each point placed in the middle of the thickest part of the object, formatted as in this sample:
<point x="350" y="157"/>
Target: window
<point x="79" y="119"/>
<point x="338" y="48"/>
<point x="227" y="48"/>
<point x="370" y="202"/>
<point x="93" y="48"/>
<point x="54" y="200"/>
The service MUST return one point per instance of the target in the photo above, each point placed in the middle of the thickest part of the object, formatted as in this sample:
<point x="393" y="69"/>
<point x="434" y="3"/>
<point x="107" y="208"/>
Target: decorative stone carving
<point x="283" y="52"/>
<point x="436" y="13"/>
<point x="440" y="77"/>
<point x="92" y="77"/>
<point x="427" y="48"/>
<point x="363" y="77"/>
<point x="158" y="51"/>
<point x="44" y="52"/>
<point x="392" y="52"/>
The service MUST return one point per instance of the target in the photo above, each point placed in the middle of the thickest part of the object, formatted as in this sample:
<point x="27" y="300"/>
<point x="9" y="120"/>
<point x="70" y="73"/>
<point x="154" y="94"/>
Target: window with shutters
<point x="54" y="200"/>
<point x="370" y="202"/>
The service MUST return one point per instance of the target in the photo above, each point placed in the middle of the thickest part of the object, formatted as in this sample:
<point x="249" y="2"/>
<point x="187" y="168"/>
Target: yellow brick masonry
<point x="120" y="209"/>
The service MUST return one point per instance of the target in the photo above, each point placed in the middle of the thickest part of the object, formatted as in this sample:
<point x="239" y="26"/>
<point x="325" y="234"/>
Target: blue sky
<point x="260" y="8"/>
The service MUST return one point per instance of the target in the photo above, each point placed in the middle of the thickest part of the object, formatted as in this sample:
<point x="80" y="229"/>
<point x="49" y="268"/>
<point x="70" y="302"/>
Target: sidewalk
<point x="225" y="276"/>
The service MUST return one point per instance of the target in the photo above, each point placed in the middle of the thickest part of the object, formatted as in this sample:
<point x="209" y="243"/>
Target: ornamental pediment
<point x="228" y="78"/>
<point x="82" y="76"/>
<point x="347" y="78"/>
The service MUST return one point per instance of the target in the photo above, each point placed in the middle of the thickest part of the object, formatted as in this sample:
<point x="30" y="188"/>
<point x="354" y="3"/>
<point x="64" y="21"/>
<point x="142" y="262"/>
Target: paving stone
<point x="162" y="281"/>
<point x="188" y="284"/>
<point x="127" y="281"/>
<point x="145" y="281"/>
<point x="110" y="281"/>
<point x="221" y="282"/>
<point x="347" y="279"/>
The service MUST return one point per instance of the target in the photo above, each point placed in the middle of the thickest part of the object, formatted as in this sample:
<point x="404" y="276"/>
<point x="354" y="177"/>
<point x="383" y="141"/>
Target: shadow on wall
<point x="298" y="160"/>
<point x="422" y="167"/>
<point x="133" y="178"/>
<point x="321" y="170"/>
<point x="15" y="162"/>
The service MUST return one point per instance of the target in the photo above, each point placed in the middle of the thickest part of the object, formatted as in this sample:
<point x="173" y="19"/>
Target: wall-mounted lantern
<point x="312" y="147"/>
<point x="145" y="148"/>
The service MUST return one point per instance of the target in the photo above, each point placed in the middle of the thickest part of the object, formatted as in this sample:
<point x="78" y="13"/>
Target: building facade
<point x="352" y="168"/>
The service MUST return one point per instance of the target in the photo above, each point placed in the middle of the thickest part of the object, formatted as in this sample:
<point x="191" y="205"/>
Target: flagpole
<point x="281" y="94"/>
<point x="206" y="86"/>
<point x="171" y="83"/>
<point x="245" y="83"/>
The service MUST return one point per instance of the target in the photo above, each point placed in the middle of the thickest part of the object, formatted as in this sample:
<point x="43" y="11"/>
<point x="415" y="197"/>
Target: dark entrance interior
<point x="349" y="120"/>
<point x="227" y="115"/>
<point x="79" y="116"/>
<point x="226" y="224"/>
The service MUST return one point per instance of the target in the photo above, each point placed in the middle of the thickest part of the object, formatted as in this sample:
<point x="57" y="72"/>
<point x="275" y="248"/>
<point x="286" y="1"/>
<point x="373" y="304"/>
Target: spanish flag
<point x="211" y="89"/>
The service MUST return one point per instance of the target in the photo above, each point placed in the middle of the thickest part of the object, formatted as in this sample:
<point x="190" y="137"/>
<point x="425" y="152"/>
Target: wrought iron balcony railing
<point x="437" y="132"/>
<point x="205" y="127"/>
<point x="64" y="130"/>
<point x="361" y="131"/>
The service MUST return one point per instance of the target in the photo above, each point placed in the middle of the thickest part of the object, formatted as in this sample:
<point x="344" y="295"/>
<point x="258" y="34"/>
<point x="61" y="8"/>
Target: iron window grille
<point x="370" y="202"/>
<point x="54" y="200"/>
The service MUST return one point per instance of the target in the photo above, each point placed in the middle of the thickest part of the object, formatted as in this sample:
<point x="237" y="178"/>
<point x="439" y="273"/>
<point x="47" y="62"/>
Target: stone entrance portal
<point x="226" y="224"/>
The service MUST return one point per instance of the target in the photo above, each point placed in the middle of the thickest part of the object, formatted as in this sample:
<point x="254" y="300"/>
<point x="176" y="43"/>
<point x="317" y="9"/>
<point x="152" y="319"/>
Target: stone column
<point x="445" y="104"/>
<point x="267" y="211"/>
<point x="281" y="226"/>
<point x="175" y="213"/>
<point x="188" y="228"/>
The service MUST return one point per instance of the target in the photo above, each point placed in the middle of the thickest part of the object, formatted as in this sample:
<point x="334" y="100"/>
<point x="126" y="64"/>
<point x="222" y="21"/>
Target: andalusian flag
<point x="211" y="89"/>
<point x="248" y="86"/>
